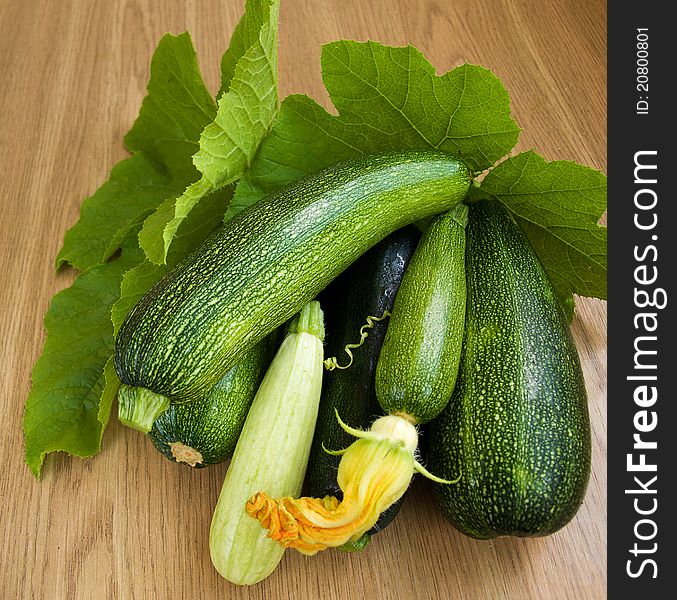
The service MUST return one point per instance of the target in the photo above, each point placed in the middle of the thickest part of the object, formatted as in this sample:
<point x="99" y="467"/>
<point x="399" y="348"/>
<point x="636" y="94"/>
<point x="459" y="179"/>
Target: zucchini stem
<point x="331" y="363"/>
<point x="139" y="407"/>
<point x="309" y="320"/>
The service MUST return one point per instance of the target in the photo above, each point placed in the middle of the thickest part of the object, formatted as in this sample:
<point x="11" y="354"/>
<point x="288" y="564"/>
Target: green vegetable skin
<point x="366" y="288"/>
<point x="205" y="432"/>
<point x="267" y="262"/>
<point x="418" y="364"/>
<point x="517" y="425"/>
<point x="272" y="452"/>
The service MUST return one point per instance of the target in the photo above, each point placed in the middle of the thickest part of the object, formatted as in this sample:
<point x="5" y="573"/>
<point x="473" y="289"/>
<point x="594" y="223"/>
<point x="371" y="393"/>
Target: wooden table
<point x="130" y="524"/>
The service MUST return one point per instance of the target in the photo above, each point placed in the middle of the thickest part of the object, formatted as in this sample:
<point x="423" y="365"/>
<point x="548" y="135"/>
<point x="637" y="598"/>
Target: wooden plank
<point x="129" y="524"/>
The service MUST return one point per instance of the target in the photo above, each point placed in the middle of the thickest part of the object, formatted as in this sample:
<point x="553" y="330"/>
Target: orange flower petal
<point x="373" y="473"/>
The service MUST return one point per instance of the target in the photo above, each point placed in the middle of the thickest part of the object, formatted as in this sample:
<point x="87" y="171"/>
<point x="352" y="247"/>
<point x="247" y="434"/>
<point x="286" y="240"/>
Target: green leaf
<point x="135" y="283"/>
<point x="392" y="96"/>
<point x="197" y="226"/>
<point x="74" y="380"/>
<point x="110" y="390"/>
<point x="244" y="36"/>
<point x="174" y="112"/>
<point x="558" y="205"/>
<point x="73" y="387"/>
<point x="228" y="144"/>
<point x="387" y="99"/>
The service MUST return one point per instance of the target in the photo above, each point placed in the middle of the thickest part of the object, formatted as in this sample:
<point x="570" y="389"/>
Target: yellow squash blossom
<point x="373" y="473"/>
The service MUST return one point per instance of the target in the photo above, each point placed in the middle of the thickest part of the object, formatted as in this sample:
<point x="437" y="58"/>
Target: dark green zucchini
<point x="418" y="364"/>
<point x="366" y="288"/>
<point x="517" y="426"/>
<point x="263" y="265"/>
<point x="205" y="432"/>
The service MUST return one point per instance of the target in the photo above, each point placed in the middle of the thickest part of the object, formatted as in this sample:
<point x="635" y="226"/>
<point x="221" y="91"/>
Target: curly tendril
<point x="331" y="363"/>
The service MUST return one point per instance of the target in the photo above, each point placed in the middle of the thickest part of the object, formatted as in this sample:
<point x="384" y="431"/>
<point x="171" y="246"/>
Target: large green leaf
<point x="72" y="390"/>
<point x="228" y="144"/>
<point x="165" y="135"/>
<point x="558" y="205"/>
<point x="74" y="380"/>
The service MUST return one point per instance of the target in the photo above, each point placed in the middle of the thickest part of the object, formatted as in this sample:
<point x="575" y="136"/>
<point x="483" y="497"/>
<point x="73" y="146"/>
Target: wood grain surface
<point x="130" y="524"/>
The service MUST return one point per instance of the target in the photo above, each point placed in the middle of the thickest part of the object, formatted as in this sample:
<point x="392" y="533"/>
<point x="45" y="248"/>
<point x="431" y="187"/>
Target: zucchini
<point x="417" y="368"/>
<point x="517" y="426"/>
<point x="366" y="288"/>
<point x="263" y="265"/>
<point x="272" y="452"/>
<point x="204" y="432"/>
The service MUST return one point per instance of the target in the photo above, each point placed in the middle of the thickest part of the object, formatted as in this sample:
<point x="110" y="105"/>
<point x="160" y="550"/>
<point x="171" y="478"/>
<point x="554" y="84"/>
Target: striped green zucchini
<point x="417" y="367"/>
<point x="516" y="428"/>
<point x="262" y="266"/>
<point x="205" y="432"/>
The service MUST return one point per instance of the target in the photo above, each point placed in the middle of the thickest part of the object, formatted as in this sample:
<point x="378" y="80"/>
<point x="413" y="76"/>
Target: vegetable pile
<point x="215" y="245"/>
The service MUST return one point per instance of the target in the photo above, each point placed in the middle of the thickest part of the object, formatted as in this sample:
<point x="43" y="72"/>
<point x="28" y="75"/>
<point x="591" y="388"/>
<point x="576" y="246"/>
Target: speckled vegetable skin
<point x="212" y="425"/>
<point x="517" y="426"/>
<point x="418" y="364"/>
<point x="263" y="265"/>
<point x="367" y="287"/>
